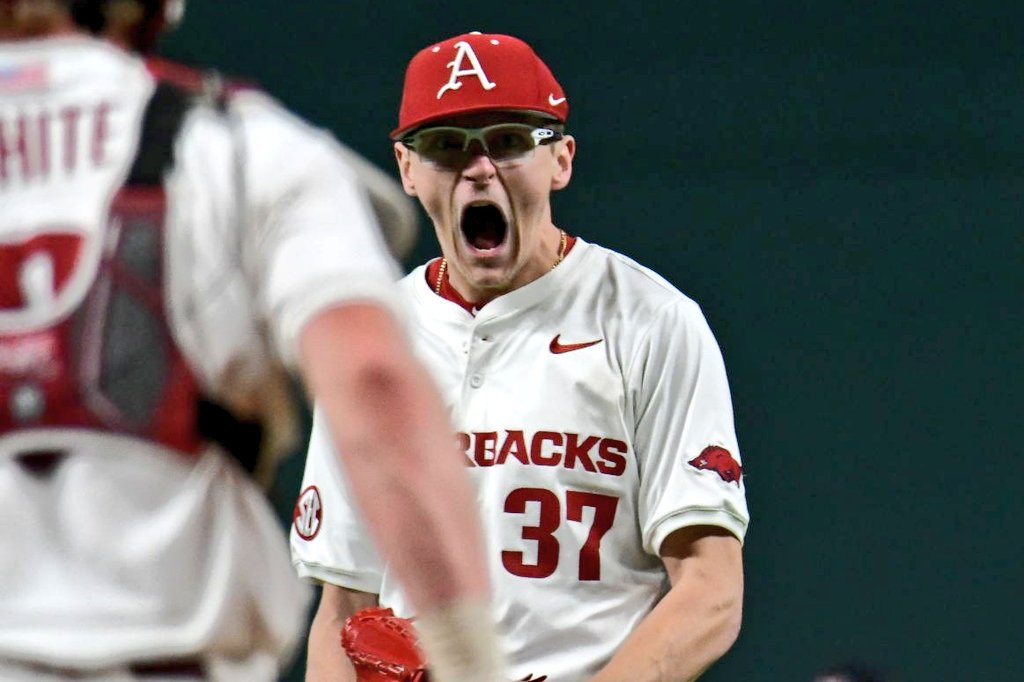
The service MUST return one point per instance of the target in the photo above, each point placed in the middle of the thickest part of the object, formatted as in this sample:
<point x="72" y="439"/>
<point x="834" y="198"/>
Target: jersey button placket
<point x="477" y="337"/>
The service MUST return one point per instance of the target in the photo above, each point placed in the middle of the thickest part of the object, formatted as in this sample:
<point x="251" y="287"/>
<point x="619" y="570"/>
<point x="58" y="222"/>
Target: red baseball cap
<point x="477" y="72"/>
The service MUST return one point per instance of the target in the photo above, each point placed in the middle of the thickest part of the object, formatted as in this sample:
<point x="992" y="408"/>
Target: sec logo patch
<point x="308" y="514"/>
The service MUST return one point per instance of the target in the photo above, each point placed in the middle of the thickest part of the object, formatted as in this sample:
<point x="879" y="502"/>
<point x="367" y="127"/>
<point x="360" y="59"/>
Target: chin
<point x="490" y="279"/>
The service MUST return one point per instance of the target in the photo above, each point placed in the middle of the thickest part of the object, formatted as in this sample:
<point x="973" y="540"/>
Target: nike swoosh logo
<point x="555" y="101"/>
<point x="557" y="347"/>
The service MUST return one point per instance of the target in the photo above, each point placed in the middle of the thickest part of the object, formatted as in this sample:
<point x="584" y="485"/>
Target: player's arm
<point x="398" y="452"/>
<point x="327" y="286"/>
<point x="697" y="621"/>
<point x="325" y="659"/>
<point x="694" y="518"/>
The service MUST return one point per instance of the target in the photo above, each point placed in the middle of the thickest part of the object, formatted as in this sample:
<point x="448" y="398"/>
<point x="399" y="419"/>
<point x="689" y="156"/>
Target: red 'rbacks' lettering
<point x="545" y="448"/>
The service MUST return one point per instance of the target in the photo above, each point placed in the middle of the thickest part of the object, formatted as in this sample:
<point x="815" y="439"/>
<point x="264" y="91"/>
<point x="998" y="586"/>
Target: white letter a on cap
<point x="465" y="52"/>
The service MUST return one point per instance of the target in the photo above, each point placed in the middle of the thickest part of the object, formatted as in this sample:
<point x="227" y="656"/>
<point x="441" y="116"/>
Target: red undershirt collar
<point x="449" y="293"/>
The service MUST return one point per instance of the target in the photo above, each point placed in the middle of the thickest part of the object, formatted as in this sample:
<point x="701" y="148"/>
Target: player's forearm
<point x="398" y="451"/>
<point x="692" y="626"/>
<point x="325" y="658"/>
<point x="677" y="641"/>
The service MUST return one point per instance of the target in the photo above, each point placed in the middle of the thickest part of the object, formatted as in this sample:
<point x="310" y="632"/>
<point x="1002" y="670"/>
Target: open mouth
<point x="484" y="226"/>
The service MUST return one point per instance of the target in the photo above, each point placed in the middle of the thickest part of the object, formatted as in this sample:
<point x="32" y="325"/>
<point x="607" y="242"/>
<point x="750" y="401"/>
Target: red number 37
<point x="548" y="522"/>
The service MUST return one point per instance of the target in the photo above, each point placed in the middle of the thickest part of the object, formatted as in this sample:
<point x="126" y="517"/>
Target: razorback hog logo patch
<point x="721" y="461"/>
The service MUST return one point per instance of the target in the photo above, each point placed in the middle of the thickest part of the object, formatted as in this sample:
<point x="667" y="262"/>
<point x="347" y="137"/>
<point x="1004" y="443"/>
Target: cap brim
<point x="398" y="133"/>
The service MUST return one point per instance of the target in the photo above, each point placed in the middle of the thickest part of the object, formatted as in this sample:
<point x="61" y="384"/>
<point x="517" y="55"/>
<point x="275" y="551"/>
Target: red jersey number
<point x="52" y="256"/>
<point x="550" y="518"/>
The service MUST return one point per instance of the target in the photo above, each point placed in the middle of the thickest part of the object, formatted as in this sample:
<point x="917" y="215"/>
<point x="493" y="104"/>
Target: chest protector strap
<point x="114" y="363"/>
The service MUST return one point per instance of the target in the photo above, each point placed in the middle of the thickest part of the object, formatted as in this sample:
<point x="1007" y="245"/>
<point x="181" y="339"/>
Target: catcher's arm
<point x="325" y="659"/>
<point x="696" y="622"/>
<point x="394" y="442"/>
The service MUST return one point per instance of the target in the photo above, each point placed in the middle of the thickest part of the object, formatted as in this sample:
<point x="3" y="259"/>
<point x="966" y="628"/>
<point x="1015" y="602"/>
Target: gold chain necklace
<point x="563" y="242"/>
<point x="440" y="276"/>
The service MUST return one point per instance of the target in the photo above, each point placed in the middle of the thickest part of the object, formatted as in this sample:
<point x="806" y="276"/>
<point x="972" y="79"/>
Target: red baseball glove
<point x="383" y="647"/>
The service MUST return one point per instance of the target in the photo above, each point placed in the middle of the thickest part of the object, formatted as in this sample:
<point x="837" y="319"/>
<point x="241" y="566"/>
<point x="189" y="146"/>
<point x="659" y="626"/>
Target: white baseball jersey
<point x="594" y="413"/>
<point x="120" y="547"/>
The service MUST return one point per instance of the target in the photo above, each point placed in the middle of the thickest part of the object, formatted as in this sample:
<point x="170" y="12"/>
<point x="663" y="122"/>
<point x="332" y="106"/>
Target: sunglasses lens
<point x="507" y="143"/>
<point x="443" y="146"/>
<point x="504" y="143"/>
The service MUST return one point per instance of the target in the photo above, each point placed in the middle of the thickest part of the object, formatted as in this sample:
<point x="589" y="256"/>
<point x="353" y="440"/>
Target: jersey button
<point x="476" y="380"/>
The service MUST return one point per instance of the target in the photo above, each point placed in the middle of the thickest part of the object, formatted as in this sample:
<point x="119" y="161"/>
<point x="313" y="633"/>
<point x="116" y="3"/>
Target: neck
<point x="449" y="284"/>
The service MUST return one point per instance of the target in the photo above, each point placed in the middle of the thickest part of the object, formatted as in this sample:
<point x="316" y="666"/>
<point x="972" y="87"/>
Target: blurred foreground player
<point x="166" y="246"/>
<point x="589" y="394"/>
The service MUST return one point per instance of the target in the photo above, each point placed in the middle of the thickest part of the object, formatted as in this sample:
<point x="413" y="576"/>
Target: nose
<point x="479" y="168"/>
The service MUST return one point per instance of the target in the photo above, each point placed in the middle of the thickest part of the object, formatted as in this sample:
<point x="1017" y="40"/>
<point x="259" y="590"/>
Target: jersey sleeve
<point x="685" y="436"/>
<point x="312" y="238"/>
<point x="329" y="541"/>
<point x="270" y="222"/>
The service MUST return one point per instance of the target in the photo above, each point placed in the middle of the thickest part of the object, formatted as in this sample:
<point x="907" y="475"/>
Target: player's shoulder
<point x="197" y="80"/>
<point x="409" y="284"/>
<point x="233" y="106"/>
<point x="634" y="286"/>
<point x="262" y="114"/>
<point x="276" y="144"/>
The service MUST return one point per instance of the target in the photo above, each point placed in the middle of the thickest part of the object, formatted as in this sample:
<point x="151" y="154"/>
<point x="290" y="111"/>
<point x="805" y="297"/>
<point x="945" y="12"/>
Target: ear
<point x="564" y="153"/>
<point x="403" y="156"/>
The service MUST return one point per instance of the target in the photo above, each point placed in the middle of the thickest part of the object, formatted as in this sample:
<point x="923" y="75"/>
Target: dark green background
<point x="839" y="185"/>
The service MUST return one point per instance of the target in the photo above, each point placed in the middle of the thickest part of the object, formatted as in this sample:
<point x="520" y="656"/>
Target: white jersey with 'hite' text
<point x="595" y="416"/>
<point x="130" y="550"/>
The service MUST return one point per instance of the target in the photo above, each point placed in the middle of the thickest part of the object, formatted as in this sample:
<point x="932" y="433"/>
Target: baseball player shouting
<point x="589" y="396"/>
<point x="166" y="245"/>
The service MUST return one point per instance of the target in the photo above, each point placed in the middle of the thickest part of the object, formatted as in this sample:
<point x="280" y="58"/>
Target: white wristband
<point x="461" y="643"/>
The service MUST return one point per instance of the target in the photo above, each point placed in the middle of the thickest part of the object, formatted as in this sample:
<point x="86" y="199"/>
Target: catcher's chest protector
<point x="111" y="364"/>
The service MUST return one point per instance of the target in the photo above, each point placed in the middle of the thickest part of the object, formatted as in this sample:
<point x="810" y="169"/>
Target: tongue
<point x="487" y="237"/>
<point x="484" y="227"/>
